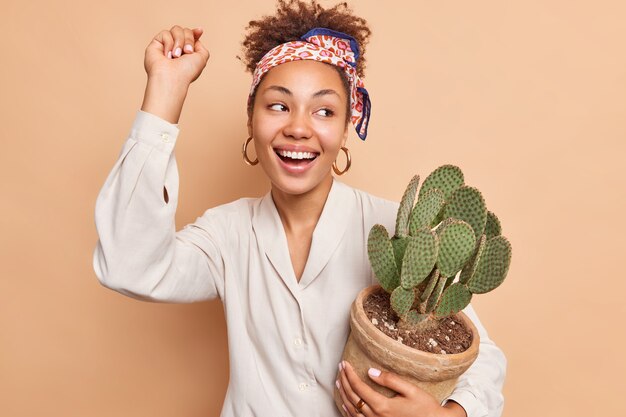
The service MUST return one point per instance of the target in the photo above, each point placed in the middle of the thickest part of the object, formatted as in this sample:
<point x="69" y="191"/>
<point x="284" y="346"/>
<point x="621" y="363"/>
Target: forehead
<point x="303" y="76"/>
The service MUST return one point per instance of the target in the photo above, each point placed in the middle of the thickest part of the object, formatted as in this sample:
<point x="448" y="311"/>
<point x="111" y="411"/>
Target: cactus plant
<point x="446" y="247"/>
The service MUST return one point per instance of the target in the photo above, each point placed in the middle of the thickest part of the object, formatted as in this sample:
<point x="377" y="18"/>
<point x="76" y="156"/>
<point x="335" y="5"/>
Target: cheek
<point x="333" y="136"/>
<point x="261" y="129"/>
<point x="331" y="147"/>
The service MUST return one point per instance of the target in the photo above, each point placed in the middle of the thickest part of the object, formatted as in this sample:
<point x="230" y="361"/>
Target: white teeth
<point x="297" y="155"/>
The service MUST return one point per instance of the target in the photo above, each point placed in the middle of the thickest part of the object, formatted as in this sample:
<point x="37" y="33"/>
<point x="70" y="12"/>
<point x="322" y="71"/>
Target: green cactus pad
<point x="468" y="204"/>
<point x="419" y="258"/>
<point x="402" y="300"/>
<point x="453" y="300"/>
<point x="428" y="206"/>
<point x="432" y="281"/>
<point x="420" y="289"/>
<point x="449" y="282"/>
<point x="406" y="205"/>
<point x="399" y="247"/>
<point x="444" y="223"/>
<point x="492" y="227"/>
<point x="447" y="178"/>
<point x="380" y="253"/>
<point x="434" y="297"/>
<point x="470" y="268"/>
<point x="413" y="317"/>
<point x="492" y="266"/>
<point x="456" y="245"/>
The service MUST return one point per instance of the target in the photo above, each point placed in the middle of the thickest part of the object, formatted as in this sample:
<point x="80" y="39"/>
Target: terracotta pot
<point x="367" y="347"/>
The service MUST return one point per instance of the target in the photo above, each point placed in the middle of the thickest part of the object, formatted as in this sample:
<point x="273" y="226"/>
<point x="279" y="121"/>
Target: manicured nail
<point x="339" y="366"/>
<point x="188" y="48"/>
<point x="169" y="54"/>
<point x="178" y="51"/>
<point x="337" y="383"/>
<point x="344" y="408"/>
<point x="374" y="372"/>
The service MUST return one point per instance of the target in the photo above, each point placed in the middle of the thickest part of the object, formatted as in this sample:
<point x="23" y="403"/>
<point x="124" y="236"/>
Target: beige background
<point x="528" y="97"/>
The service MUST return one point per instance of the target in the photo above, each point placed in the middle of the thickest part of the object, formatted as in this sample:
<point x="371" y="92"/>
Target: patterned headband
<point x="329" y="46"/>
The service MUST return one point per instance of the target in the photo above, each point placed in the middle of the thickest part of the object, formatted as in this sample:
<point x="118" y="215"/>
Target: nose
<point x="298" y="125"/>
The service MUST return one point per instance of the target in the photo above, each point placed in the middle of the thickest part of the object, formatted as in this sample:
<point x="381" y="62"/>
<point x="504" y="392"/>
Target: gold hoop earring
<point x="244" y="152"/>
<point x="348" y="163"/>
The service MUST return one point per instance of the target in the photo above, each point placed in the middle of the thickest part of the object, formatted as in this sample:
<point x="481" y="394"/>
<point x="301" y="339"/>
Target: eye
<point x="325" y="112"/>
<point x="278" y="107"/>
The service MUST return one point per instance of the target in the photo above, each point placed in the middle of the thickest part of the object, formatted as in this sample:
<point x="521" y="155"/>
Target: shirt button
<point x="297" y="342"/>
<point x="165" y="137"/>
<point x="302" y="386"/>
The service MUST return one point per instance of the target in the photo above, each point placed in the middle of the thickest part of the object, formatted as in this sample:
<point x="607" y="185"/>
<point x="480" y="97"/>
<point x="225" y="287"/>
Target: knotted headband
<point x="331" y="47"/>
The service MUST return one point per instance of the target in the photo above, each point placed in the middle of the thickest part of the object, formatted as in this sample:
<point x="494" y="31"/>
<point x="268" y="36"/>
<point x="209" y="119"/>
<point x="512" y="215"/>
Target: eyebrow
<point x="288" y="92"/>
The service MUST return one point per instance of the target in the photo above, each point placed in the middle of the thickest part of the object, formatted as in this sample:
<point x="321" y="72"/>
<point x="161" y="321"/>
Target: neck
<point x="302" y="211"/>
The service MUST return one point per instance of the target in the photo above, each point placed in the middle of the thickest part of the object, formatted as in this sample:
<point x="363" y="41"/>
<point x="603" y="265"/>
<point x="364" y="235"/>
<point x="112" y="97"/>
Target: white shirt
<point x="285" y="337"/>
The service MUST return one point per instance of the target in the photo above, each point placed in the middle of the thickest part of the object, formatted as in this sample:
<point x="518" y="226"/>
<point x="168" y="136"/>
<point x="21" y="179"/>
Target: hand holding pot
<point x="412" y="401"/>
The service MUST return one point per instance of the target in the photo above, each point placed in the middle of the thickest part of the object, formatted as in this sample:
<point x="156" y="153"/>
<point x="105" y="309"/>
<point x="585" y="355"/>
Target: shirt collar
<point x="328" y="234"/>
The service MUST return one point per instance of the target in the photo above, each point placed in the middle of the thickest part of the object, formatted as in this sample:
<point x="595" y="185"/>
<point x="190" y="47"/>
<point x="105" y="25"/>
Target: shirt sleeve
<point x="479" y="389"/>
<point x="139" y="253"/>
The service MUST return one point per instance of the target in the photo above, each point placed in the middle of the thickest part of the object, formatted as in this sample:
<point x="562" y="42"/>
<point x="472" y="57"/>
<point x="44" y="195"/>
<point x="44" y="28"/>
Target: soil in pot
<point x="450" y="336"/>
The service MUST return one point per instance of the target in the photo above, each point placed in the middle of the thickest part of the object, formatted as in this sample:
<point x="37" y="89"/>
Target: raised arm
<point x="139" y="253"/>
<point x="173" y="60"/>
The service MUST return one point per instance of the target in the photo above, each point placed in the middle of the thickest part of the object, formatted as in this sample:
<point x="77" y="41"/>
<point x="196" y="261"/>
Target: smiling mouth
<point x="296" y="158"/>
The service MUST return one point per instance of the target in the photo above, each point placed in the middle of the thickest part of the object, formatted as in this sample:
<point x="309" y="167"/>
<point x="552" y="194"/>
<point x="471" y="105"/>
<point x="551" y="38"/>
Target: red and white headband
<point x="331" y="47"/>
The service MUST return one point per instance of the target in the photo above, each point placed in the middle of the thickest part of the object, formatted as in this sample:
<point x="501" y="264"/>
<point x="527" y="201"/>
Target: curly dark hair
<point x="294" y="18"/>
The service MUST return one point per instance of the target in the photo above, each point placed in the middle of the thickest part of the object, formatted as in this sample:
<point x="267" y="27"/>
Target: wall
<point x="526" y="96"/>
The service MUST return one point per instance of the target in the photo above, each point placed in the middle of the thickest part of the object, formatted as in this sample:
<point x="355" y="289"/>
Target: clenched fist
<point x="176" y="54"/>
<point x="174" y="59"/>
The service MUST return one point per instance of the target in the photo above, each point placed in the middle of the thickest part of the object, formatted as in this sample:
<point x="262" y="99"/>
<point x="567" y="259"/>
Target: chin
<point x="294" y="186"/>
<point x="299" y="186"/>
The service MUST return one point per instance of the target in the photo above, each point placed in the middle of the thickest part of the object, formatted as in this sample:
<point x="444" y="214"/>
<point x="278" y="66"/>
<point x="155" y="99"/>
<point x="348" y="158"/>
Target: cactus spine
<point x="446" y="247"/>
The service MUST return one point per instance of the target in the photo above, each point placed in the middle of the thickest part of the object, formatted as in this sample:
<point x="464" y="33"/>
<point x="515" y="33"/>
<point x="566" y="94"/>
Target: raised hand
<point x="176" y="53"/>
<point x="173" y="60"/>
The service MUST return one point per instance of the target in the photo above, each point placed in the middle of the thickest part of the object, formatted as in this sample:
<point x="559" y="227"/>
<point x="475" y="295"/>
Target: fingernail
<point x="339" y="366"/>
<point x="374" y="372"/>
<point x="344" y="408"/>
<point x="337" y="383"/>
<point x="188" y="48"/>
<point x="178" y="51"/>
<point x="169" y="54"/>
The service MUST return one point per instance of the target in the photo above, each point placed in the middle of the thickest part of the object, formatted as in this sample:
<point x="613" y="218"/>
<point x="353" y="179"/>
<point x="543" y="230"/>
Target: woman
<point x="286" y="266"/>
